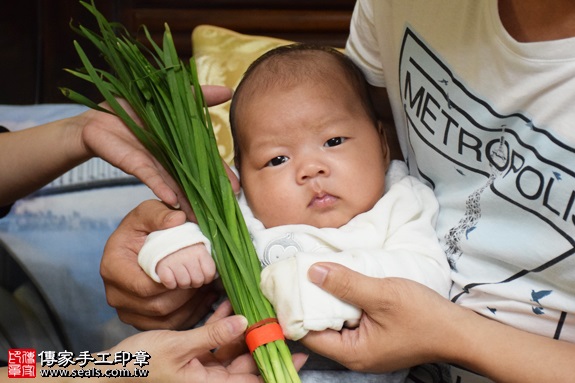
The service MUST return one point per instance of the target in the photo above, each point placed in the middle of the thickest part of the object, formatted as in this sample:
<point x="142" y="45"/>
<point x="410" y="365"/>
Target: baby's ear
<point x="380" y="128"/>
<point x="384" y="144"/>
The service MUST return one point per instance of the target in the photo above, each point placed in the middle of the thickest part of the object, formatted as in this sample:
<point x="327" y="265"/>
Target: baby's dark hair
<point x="296" y="63"/>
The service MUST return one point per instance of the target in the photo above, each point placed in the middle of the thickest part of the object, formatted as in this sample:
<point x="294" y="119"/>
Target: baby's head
<point x="306" y="138"/>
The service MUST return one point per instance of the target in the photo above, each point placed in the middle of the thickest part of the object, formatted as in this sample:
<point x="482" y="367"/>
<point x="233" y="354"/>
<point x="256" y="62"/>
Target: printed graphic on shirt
<point x="505" y="170"/>
<point x="279" y="249"/>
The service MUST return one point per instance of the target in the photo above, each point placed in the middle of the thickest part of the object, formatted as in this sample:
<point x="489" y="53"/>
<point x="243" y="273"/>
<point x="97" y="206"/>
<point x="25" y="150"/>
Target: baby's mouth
<point x="323" y="200"/>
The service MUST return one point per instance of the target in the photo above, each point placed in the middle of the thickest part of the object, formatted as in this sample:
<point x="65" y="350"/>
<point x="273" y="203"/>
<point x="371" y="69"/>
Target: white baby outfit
<point x="396" y="238"/>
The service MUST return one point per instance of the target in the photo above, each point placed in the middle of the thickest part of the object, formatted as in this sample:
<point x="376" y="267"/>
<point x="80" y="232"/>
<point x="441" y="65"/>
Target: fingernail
<point x="237" y="324"/>
<point x="317" y="274"/>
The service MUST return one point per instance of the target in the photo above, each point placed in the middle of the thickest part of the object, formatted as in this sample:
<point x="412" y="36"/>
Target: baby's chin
<point x="332" y="220"/>
<point x="331" y="223"/>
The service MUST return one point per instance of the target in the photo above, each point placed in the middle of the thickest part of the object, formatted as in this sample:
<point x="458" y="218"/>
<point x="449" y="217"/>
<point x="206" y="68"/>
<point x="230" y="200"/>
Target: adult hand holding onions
<point x="175" y="127"/>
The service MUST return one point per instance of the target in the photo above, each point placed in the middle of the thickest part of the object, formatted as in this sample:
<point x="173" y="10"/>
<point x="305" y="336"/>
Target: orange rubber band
<point x="263" y="332"/>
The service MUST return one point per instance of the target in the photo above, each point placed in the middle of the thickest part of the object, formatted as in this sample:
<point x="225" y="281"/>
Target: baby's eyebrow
<point x="270" y="141"/>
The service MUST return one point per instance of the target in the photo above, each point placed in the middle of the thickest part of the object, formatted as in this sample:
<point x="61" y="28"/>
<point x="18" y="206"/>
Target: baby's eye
<point x="334" y="141"/>
<point x="276" y="161"/>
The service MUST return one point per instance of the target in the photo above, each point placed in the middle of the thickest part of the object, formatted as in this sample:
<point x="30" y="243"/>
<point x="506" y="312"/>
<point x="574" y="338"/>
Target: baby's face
<point x="310" y="155"/>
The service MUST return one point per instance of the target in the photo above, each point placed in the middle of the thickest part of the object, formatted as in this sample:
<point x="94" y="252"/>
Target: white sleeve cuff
<point x="162" y="243"/>
<point x="300" y="305"/>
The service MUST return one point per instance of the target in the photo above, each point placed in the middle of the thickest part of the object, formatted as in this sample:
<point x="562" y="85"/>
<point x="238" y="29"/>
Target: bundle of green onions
<point x="177" y="130"/>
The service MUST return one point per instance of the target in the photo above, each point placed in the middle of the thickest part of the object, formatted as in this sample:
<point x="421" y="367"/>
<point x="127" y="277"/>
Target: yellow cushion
<point x="222" y="56"/>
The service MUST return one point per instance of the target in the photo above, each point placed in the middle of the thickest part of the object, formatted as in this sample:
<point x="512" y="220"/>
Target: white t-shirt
<point x="486" y="121"/>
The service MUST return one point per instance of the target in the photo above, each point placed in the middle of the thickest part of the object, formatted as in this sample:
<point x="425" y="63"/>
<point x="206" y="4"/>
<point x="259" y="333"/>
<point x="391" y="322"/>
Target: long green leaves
<point x="177" y="130"/>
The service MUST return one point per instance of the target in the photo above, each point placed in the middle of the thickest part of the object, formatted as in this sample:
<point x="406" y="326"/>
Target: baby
<point x="317" y="185"/>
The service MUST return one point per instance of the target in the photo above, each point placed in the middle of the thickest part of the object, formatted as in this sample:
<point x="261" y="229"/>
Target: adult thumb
<point x="219" y="333"/>
<point x="343" y="283"/>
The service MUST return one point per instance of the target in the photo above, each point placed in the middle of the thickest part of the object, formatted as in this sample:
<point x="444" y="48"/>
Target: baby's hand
<point x="301" y="306"/>
<point x="189" y="267"/>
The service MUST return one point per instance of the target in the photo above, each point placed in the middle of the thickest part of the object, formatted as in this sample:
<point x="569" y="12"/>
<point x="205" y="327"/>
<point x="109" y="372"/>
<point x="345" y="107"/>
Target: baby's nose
<point x="312" y="169"/>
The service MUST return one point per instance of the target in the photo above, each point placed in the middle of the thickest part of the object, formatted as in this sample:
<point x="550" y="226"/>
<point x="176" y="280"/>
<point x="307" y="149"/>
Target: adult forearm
<point x="506" y="354"/>
<point x="31" y="158"/>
